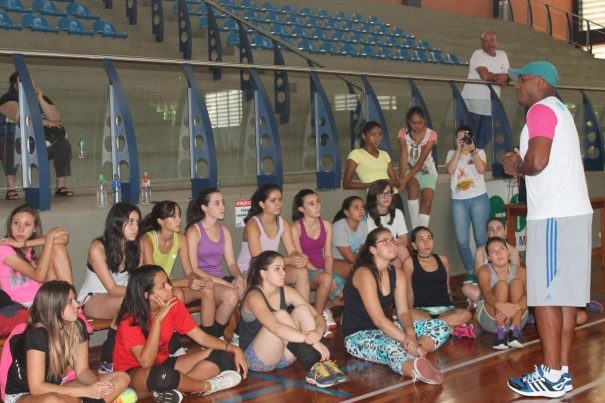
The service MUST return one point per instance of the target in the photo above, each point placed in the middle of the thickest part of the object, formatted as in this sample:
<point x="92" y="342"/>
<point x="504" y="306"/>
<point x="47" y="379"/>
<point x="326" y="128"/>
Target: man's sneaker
<point x="224" y="380"/>
<point x="594" y="307"/>
<point x="470" y="278"/>
<point x="566" y="376"/>
<point x="514" y="339"/>
<point x="537" y="385"/>
<point x="424" y="371"/>
<point x="465" y="331"/>
<point x="106" y="367"/>
<point x="329" y="318"/>
<point x="500" y="343"/>
<point x="328" y="334"/>
<point x="339" y="376"/>
<point x="169" y="396"/>
<point x="320" y="376"/>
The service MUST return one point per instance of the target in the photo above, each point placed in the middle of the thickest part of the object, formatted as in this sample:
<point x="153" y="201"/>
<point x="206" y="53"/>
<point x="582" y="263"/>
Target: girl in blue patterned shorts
<point x="369" y="332"/>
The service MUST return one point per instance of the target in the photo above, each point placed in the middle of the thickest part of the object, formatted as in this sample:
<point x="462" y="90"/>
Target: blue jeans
<point x="475" y="210"/>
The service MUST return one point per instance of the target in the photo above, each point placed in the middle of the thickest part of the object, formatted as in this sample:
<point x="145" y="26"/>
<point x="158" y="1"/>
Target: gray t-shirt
<point x="345" y="236"/>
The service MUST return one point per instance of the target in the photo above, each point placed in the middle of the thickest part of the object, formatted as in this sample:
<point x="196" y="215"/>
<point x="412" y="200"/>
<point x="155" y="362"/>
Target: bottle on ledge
<point x="145" y="189"/>
<point x="116" y="187"/>
<point x="101" y="192"/>
<point x="82" y="147"/>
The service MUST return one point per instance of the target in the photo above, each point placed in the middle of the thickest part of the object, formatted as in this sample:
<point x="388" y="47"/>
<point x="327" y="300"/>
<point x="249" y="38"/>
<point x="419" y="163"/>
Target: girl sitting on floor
<point x="350" y="231"/>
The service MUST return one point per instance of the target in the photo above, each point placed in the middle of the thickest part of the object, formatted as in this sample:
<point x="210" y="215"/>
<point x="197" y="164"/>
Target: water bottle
<point x="116" y="187"/>
<point x="82" y="145"/>
<point x="145" y="189"/>
<point x="101" y="192"/>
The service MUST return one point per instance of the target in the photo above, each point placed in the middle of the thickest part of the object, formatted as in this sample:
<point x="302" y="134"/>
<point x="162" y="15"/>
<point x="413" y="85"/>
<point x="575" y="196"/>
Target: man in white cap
<point x="559" y="219"/>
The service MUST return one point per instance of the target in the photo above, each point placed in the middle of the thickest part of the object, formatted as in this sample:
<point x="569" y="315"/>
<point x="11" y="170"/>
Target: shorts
<point x="435" y="311"/>
<point x="558" y="261"/>
<point x="15" y="397"/>
<point x="488" y="323"/>
<point x="340" y="283"/>
<point x="255" y="364"/>
<point x="426" y="181"/>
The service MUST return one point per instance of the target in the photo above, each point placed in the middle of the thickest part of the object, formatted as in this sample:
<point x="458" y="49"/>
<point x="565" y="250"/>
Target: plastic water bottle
<point x="82" y="147"/>
<point x="116" y="188"/>
<point x="145" y="189"/>
<point x="101" y="192"/>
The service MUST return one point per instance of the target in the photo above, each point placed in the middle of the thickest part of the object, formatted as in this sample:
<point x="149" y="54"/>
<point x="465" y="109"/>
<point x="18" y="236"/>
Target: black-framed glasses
<point x="384" y="195"/>
<point x="387" y="241"/>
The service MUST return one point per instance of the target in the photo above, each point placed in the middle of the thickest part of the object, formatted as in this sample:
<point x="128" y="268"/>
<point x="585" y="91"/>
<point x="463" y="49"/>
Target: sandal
<point x="64" y="192"/>
<point x="11" y="194"/>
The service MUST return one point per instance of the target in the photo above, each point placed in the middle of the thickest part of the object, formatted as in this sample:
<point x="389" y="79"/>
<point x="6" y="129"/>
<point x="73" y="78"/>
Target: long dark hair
<point x="26" y="208"/>
<point x="135" y="304"/>
<point x="376" y="188"/>
<point x="346" y="204"/>
<point x="260" y="263"/>
<point x="160" y="211"/>
<point x="366" y="128"/>
<point x="414" y="110"/>
<point x="298" y="202"/>
<point x="260" y="195"/>
<point x="117" y="249"/>
<point x="194" y="210"/>
<point x="365" y="258"/>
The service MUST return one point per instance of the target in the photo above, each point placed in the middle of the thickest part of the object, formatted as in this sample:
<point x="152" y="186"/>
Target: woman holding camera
<point x="470" y="204"/>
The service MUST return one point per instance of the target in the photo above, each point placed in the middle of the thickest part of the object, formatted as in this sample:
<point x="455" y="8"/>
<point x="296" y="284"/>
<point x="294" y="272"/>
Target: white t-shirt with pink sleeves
<point x="560" y="189"/>
<point x="20" y="288"/>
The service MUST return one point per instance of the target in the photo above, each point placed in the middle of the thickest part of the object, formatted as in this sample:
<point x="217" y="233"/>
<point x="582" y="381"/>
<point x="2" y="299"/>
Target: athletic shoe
<point x="328" y="334"/>
<point x="106" y="367"/>
<point x="128" y="396"/>
<point x="594" y="307"/>
<point x="320" y="376"/>
<point x="424" y="371"/>
<point x="514" y="340"/>
<point x="339" y="376"/>
<point x="181" y="351"/>
<point x="470" y="278"/>
<point x="235" y="339"/>
<point x="537" y="385"/>
<point x="169" y="396"/>
<point x="224" y="380"/>
<point x="465" y="331"/>
<point x="471" y="305"/>
<point x="567" y="377"/>
<point x="500" y="343"/>
<point x="329" y="318"/>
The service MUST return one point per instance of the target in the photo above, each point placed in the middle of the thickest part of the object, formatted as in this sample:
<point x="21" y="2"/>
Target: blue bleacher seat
<point x="436" y="57"/>
<point x="267" y="6"/>
<point x="107" y="29"/>
<point x="313" y="21"/>
<point x="73" y="26"/>
<point x="233" y="39"/>
<point x="404" y="54"/>
<point x="325" y="14"/>
<point x="272" y="16"/>
<point x="408" y="43"/>
<point x="278" y="29"/>
<point x="393" y="41"/>
<point x="7" y="23"/>
<point x="47" y="7"/>
<point x="374" y="40"/>
<point x="37" y="23"/>
<point x="454" y="59"/>
<point x="357" y="17"/>
<point x="425" y="45"/>
<point x="348" y="49"/>
<point x="356" y="37"/>
<point x="306" y="11"/>
<point x="421" y="56"/>
<point x="364" y="27"/>
<point x="307" y="46"/>
<point x="348" y="25"/>
<point x="329" y="23"/>
<point x="230" y="25"/>
<point x="246" y="4"/>
<point x="293" y="19"/>
<point x="14" y="6"/>
<point x="260" y="41"/>
<point x="341" y="15"/>
<point x="203" y="24"/>
<point x="322" y="34"/>
<point x="299" y="32"/>
<point x="328" y="48"/>
<point x="251" y="15"/>
<point x="368" y="51"/>
<point x="288" y="9"/>
<point x="80" y="11"/>
<point x="386" y="53"/>
<point x="339" y="36"/>
<point x="190" y="9"/>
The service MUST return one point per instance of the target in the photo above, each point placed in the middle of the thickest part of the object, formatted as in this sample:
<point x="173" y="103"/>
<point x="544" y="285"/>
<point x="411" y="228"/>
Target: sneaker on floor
<point x="537" y="385"/>
<point x="169" y="396"/>
<point x="181" y="351"/>
<point x="320" y="376"/>
<point x="106" y="367"/>
<point x="566" y="376"/>
<point x="339" y="376"/>
<point x="514" y="339"/>
<point x="594" y="307"/>
<point x="466" y="331"/>
<point x="224" y="380"/>
<point x="328" y="334"/>
<point x="470" y="278"/>
<point x="500" y="343"/>
<point x="424" y="371"/>
<point x="329" y="318"/>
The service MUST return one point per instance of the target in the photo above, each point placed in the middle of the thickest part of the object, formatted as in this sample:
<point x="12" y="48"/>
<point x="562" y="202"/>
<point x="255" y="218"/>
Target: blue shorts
<point x="255" y="364"/>
<point x="340" y="282"/>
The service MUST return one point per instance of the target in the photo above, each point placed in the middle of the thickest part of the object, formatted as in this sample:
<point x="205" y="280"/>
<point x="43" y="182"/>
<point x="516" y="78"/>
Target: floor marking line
<point x="584" y="388"/>
<point x="460" y="365"/>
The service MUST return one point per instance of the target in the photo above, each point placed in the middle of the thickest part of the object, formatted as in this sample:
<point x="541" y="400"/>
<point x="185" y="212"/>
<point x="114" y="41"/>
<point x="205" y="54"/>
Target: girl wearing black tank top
<point x="429" y="292"/>
<point x="271" y="337"/>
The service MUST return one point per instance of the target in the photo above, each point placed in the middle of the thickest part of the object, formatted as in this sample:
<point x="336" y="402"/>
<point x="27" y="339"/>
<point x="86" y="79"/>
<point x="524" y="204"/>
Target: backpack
<point x="7" y="356"/>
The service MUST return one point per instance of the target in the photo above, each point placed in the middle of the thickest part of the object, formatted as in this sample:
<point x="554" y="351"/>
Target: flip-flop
<point x="64" y="192"/>
<point x="11" y="194"/>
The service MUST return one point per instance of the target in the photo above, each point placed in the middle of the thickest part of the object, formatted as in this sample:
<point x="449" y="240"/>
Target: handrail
<point x="570" y="13"/>
<point x="263" y="67"/>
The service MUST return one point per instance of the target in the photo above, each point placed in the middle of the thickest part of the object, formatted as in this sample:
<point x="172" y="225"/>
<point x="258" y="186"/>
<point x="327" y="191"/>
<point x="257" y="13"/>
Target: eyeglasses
<point x="387" y="241"/>
<point x="385" y="195"/>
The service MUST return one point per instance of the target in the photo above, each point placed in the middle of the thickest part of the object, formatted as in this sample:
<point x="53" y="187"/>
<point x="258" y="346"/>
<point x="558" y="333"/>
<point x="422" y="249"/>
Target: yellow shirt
<point x="370" y="168"/>
<point x="166" y="261"/>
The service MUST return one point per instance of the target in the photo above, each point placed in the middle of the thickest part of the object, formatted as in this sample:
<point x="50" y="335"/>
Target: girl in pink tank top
<point x="312" y="236"/>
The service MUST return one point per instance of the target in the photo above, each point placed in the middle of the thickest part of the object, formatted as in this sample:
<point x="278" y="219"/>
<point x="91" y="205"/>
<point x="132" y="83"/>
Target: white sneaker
<point x="424" y="371"/>
<point x="224" y="380"/>
<point x="169" y="396"/>
<point x="329" y="318"/>
<point x="181" y="351"/>
<point x="235" y="339"/>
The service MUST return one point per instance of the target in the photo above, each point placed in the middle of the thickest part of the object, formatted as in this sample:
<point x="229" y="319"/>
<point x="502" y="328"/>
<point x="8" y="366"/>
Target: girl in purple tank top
<point x="312" y="236"/>
<point x="210" y="242"/>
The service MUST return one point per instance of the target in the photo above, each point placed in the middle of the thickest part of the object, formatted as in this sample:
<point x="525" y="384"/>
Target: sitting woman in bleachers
<point x="369" y="332"/>
<point x="265" y="229"/>
<point x="383" y="213"/>
<point x="111" y="259"/>
<point x="148" y="318"/>
<point x="370" y="163"/>
<point x="161" y="243"/>
<point x="428" y="279"/>
<point x="28" y="258"/>
<point x="278" y="326"/>
<point x="55" y="343"/>
<point x="350" y="231"/>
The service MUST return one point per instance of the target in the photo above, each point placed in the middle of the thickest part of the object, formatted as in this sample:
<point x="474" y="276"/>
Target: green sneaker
<point x="320" y="376"/>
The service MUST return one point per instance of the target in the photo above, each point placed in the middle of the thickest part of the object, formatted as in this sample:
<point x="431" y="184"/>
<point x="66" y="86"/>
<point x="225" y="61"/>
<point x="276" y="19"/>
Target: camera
<point x="468" y="137"/>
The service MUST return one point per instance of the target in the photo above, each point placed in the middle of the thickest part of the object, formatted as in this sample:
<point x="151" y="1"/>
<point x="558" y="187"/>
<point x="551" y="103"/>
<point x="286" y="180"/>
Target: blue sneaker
<point x="567" y="377"/>
<point x="470" y="278"/>
<point x="105" y="367"/>
<point x="535" y="384"/>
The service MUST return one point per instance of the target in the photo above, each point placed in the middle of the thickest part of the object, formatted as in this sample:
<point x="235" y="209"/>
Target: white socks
<point x="414" y="208"/>
<point x="423" y="220"/>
